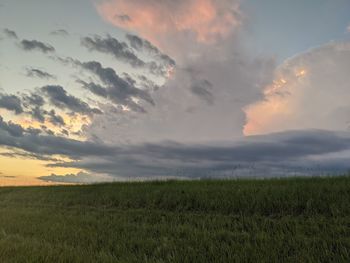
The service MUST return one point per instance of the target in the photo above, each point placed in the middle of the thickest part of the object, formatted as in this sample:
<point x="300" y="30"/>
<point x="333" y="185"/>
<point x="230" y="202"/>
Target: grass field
<point x="286" y="220"/>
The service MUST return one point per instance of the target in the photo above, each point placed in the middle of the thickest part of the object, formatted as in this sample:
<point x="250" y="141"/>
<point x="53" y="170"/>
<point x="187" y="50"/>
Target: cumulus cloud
<point x="10" y="33"/>
<point x="310" y="90"/>
<point x="58" y="97"/>
<point x="212" y="65"/>
<point x="11" y="103"/>
<point x="30" y="45"/>
<point x="202" y="102"/>
<point x="34" y="72"/>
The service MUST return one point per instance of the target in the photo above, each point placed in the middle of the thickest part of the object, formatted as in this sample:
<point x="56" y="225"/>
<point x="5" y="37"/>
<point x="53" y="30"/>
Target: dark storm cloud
<point x="11" y="103"/>
<point x="34" y="72"/>
<point x="59" y="32"/>
<point x="10" y="33"/>
<point x="274" y="147"/>
<point x="30" y="45"/>
<point x="109" y="45"/>
<point x="271" y="155"/>
<point x="118" y="90"/>
<point x="58" y="97"/>
<point x="267" y="155"/>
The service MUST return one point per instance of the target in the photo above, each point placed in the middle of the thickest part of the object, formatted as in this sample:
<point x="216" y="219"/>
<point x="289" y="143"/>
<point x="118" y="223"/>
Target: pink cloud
<point x="310" y="91"/>
<point x="205" y="20"/>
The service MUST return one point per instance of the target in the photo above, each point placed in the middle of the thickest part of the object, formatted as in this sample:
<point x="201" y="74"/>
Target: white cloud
<point x="310" y="90"/>
<point x="214" y="79"/>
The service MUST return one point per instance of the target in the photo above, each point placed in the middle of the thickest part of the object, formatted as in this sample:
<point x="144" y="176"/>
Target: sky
<point x="118" y="90"/>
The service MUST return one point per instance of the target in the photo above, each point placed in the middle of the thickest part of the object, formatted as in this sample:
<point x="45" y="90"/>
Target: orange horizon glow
<point x="24" y="171"/>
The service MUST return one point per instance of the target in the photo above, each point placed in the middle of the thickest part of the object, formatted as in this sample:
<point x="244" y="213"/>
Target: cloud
<point x="286" y="153"/>
<point x="30" y="45"/>
<point x="204" y="20"/>
<point x="11" y="103"/>
<point x="59" y="32"/>
<point x="109" y="45"/>
<point x="215" y="77"/>
<point x="283" y="154"/>
<point x="58" y="97"/>
<point x="32" y="141"/>
<point x="121" y="51"/>
<point x="118" y="90"/>
<point x="33" y="100"/>
<point x="80" y="178"/>
<point x="38" y="114"/>
<point x="202" y="102"/>
<point x="34" y="103"/>
<point x="202" y="89"/>
<point x="33" y="72"/>
<point x="10" y="33"/>
<point x="12" y="129"/>
<point x="15" y="153"/>
<point x="56" y="119"/>
<point x="144" y="45"/>
<point x="310" y="90"/>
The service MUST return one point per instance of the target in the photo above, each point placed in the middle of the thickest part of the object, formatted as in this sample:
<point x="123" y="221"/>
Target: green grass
<point x="289" y="220"/>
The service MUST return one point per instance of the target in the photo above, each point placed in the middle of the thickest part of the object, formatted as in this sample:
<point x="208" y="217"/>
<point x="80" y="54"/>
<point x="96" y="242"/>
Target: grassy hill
<point x="287" y="220"/>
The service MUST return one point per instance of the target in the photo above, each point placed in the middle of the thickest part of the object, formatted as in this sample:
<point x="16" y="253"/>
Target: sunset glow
<point x="116" y="90"/>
